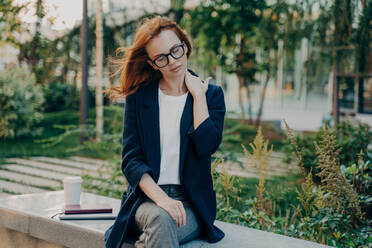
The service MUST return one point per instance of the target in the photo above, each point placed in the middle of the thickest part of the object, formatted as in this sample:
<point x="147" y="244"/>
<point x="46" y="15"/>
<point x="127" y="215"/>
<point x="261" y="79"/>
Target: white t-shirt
<point x="170" y="112"/>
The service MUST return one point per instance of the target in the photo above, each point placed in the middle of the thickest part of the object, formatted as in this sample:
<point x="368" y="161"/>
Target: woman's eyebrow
<point x="169" y="50"/>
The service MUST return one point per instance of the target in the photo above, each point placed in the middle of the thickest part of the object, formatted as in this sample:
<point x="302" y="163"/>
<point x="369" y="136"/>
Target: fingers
<point x="195" y="84"/>
<point x="175" y="216"/>
<point x="177" y="212"/>
<point x="179" y="216"/>
<point x="183" y="212"/>
<point x="188" y="75"/>
<point x="207" y="80"/>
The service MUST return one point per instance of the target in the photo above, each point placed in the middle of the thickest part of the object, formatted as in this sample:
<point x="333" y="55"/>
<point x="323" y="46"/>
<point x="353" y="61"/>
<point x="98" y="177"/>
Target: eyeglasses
<point x="176" y="53"/>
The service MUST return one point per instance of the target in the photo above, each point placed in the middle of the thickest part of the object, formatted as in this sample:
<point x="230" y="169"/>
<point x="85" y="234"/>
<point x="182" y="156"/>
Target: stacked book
<point x="87" y="212"/>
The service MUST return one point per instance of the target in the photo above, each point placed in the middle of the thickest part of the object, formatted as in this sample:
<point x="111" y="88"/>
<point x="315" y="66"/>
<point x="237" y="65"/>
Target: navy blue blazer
<point x="141" y="153"/>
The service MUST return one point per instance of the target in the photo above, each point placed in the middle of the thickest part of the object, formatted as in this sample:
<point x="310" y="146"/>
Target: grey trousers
<point x="159" y="229"/>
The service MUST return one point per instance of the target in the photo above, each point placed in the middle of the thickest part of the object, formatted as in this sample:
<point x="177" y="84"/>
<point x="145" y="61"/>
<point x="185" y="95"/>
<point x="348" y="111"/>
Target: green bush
<point x="351" y="140"/>
<point x="108" y="147"/>
<point x="63" y="96"/>
<point x="113" y="119"/>
<point x="328" y="213"/>
<point x="334" y="210"/>
<point x="20" y="104"/>
<point x="59" y="96"/>
<point x="360" y="176"/>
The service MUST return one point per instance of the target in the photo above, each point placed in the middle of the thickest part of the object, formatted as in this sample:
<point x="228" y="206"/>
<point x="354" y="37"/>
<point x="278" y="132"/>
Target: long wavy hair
<point x="133" y="69"/>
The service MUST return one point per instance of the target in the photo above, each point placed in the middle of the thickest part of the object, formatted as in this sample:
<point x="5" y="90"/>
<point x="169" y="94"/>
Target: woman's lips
<point x="176" y="68"/>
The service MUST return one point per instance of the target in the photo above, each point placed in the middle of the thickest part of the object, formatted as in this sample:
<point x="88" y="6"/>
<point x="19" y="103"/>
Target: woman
<point x="173" y="123"/>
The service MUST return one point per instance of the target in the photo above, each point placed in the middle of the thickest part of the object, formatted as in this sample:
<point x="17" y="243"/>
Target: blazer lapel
<point x="151" y="128"/>
<point x="186" y="122"/>
<point x="150" y="125"/>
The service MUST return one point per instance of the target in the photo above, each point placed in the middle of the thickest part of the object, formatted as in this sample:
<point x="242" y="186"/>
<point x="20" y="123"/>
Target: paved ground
<point x="38" y="174"/>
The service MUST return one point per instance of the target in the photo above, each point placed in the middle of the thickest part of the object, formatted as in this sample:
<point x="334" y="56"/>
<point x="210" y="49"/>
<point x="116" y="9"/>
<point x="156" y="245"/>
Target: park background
<point x="307" y="64"/>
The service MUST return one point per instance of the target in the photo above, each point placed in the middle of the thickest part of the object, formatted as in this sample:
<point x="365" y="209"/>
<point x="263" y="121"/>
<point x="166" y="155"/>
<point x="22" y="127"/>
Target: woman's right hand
<point x="174" y="208"/>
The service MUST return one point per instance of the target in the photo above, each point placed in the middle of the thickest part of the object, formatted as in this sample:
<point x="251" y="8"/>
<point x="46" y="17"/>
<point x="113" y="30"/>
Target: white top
<point x="170" y="112"/>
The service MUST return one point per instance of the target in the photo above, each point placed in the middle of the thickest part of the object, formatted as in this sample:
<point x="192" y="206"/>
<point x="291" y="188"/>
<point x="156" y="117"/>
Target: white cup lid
<point x="72" y="179"/>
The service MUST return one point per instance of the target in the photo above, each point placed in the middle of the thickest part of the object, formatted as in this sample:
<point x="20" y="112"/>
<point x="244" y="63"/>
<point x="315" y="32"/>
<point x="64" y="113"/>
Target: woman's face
<point x="164" y="43"/>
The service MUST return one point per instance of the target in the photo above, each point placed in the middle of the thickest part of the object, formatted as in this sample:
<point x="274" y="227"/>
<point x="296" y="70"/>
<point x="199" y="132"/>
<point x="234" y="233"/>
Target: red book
<point x="87" y="209"/>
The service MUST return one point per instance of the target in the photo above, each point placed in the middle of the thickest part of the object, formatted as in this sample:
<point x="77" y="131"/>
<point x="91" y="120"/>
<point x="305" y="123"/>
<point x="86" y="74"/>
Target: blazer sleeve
<point x="208" y="135"/>
<point x="132" y="164"/>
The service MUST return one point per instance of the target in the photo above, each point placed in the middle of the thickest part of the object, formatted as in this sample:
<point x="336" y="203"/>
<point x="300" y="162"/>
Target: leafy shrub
<point x="360" y="176"/>
<point x="340" y="195"/>
<point x="331" y="211"/>
<point x="113" y="119"/>
<point x="108" y="147"/>
<point x="63" y="96"/>
<point x="20" y="104"/>
<point x="59" y="96"/>
<point x="350" y="139"/>
<point x="328" y="213"/>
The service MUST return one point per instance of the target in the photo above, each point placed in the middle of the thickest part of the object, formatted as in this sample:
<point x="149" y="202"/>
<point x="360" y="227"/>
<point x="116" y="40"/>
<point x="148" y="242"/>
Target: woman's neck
<point x="174" y="86"/>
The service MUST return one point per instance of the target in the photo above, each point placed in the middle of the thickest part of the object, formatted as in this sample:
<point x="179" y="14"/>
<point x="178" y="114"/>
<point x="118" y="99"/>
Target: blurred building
<point x="304" y="109"/>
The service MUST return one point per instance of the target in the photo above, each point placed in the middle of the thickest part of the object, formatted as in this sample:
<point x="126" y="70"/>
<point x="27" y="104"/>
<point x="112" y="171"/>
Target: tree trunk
<point x="240" y="79"/>
<point x="73" y="89"/>
<point x="263" y="93"/>
<point x="111" y="79"/>
<point x="335" y="105"/>
<point x="239" y="72"/>
<point x="99" y="65"/>
<point x="84" y="104"/>
<point x="249" y="102"/>
<point x="279" y="74"/>
<point x="74" y="81"/>
<point x="65" y="69"/>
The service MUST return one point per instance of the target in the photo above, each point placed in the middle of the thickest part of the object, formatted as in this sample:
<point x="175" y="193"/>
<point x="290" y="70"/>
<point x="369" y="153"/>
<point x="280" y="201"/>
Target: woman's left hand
<point x="195" y="85"/>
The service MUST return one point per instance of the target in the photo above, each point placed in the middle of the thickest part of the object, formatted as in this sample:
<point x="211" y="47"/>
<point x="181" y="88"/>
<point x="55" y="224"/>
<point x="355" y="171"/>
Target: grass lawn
<point x="29" y="146"/>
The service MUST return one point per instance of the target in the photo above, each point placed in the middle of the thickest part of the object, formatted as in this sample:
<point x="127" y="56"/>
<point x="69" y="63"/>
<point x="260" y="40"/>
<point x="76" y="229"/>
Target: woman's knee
<point x="162" y="218"/>
<point x="159" y="230"/>
<point x="152" y="215"/>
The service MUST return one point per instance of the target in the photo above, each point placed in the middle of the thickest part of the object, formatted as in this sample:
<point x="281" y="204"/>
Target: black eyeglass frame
<point x="182" y="45"/>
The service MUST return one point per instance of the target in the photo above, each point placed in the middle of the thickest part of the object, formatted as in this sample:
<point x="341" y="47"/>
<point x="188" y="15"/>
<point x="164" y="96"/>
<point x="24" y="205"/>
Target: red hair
<point x="133" y="68"/>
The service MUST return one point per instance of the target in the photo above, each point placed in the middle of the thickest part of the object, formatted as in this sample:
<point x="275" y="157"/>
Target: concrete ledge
<point x="10" y="238"/>
<point x="26" y="220"/>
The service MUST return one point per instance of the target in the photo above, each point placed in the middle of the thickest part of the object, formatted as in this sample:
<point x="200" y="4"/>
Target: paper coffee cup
<point x="72" y="189"/>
